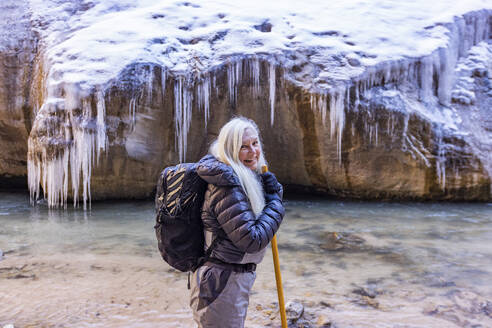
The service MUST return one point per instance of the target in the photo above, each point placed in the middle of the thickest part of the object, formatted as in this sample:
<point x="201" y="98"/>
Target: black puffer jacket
<point x="227" y="213"/>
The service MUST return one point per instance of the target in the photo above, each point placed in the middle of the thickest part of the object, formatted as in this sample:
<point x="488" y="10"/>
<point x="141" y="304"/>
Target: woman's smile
<point x="250" y="149"/>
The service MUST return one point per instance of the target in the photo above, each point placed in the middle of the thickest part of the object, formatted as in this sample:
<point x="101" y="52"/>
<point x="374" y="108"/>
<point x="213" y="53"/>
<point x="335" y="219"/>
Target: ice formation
<point x="204" y="89"/>
<point x="183" y="105"/>
<point x="335" y="51"/>
<point x="272" y="79"/>
<point x="83" y="142"/>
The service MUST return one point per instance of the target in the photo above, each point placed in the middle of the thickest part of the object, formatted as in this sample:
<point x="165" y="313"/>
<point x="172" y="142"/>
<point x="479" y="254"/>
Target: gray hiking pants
<point x="220" y="297"/>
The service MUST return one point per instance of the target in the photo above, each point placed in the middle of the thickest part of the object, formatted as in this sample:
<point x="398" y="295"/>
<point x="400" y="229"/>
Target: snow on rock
<point x="336" y="51"/>
<point x="474" y="65"/>
<point x="93" y="45"/>
<point x="472" y="105"/>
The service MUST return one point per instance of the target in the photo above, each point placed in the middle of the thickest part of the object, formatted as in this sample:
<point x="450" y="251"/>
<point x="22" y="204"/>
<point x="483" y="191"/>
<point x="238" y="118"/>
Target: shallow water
<point x="354" y="264"/>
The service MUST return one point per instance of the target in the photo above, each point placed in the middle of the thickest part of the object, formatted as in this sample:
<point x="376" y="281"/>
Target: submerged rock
<point x="294" y="310"/>
<point x="487" y="308"/>
<point x="305" y="315"/>
<point x="333" y="241"/>
<point x="466" y="309"/>
<point x="366" y="301"/>
<point x="365" y="292"/>
<point x="22" y="272"/>
<point x="323" y="322"/>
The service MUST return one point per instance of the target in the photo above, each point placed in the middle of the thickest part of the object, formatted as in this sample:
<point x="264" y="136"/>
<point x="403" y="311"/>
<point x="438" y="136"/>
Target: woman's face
<point x="249" y="154"/>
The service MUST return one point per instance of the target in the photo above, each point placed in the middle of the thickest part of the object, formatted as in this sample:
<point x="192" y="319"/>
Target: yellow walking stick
<point x="278" y="277"/>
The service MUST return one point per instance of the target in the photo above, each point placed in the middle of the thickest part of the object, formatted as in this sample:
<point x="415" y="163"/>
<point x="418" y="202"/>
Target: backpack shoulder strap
<point x="207" y="254"/>
<point x="212" y="246"/>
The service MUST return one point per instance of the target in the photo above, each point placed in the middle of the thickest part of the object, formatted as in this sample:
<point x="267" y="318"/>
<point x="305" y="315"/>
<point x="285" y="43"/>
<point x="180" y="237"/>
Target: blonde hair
<point x="226" y="149"/>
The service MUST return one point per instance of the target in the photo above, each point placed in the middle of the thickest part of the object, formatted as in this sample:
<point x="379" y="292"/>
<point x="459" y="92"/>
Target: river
<point x="349" y="263"/>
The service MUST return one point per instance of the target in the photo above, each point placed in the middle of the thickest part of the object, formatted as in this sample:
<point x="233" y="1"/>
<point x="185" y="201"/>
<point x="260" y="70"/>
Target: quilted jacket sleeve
<point x="234" y="213"/>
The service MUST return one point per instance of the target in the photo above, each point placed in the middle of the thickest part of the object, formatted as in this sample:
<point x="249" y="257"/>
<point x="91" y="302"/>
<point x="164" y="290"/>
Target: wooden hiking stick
<point x="278" y="277"/>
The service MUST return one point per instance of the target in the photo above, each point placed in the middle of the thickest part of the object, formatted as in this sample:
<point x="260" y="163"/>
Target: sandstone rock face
<point x="388" y="151"/>
<point x="411" y="129"/>
<point x="17" y="55"/>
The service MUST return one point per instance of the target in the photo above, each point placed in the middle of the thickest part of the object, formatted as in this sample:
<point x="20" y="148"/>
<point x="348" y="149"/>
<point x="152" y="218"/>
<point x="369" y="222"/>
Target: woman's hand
<point x="270" y="183"/>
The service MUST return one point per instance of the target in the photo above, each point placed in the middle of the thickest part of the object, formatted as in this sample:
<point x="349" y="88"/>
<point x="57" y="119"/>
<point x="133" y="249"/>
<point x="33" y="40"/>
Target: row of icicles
<point x="53" y="174"/>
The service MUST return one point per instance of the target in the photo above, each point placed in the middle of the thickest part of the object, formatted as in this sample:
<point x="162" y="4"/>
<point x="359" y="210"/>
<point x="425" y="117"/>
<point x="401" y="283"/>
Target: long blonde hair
<point x="226" y="149"/>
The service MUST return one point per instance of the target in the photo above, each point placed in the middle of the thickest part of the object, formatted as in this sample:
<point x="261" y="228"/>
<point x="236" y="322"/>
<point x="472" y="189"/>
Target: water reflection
<point x="443" y="235"/>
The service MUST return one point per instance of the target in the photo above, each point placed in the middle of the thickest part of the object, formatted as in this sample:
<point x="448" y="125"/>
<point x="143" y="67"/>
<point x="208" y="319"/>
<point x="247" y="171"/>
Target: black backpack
<point x="179" y="228"/>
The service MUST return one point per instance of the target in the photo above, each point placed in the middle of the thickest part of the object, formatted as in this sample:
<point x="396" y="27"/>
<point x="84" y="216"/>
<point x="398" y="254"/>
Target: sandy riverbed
<point x="70" y="290"/>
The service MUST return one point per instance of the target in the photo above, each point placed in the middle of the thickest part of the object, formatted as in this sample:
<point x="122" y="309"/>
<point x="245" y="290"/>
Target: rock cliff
<point x="340" y="123"/>
<point x="17" y="64"/>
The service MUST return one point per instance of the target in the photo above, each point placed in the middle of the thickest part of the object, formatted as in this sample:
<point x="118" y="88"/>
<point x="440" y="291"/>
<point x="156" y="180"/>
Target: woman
<point x="241" y="213"/>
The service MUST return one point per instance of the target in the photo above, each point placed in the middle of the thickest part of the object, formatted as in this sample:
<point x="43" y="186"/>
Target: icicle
<point x="82" y="157"/>
<point x="404" y="132"/>
<point x="272" y="78"/>
<point x="387" y="76"/>
<point x="256" y="76"/>
<point x="163" y="82"/>
<point x="215" y="86"/>
<point x="337" y="120"/>
<point x="75" y="173"/>
<point x="101" y="125"/>
<point x="33" y="174"/>
<point x="376" y="133"/>
<point x="150" y="82"/>
<point x="426" y="79"/>
<point x="231" y="78"/>
<point x="66" y="159"/>
<point x="333" y="121"/>
<point x="234" y="75"/>
<point x="183" y="105"/>
<point x="204" y="97"/>
<point x="322" y="107"/>
<point x="357" y="97"/>
<point x="239" y="71"/>
<point x="132" y="108"/>
<point x="446" y="60"/>
<point x="319" y="105"/>
<point x="347" y="96"/>
<point x="199" y="94"/>
<point x="178" y="116"/>
<point x="54" y="182"/>
<point x="441" y="161"/>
